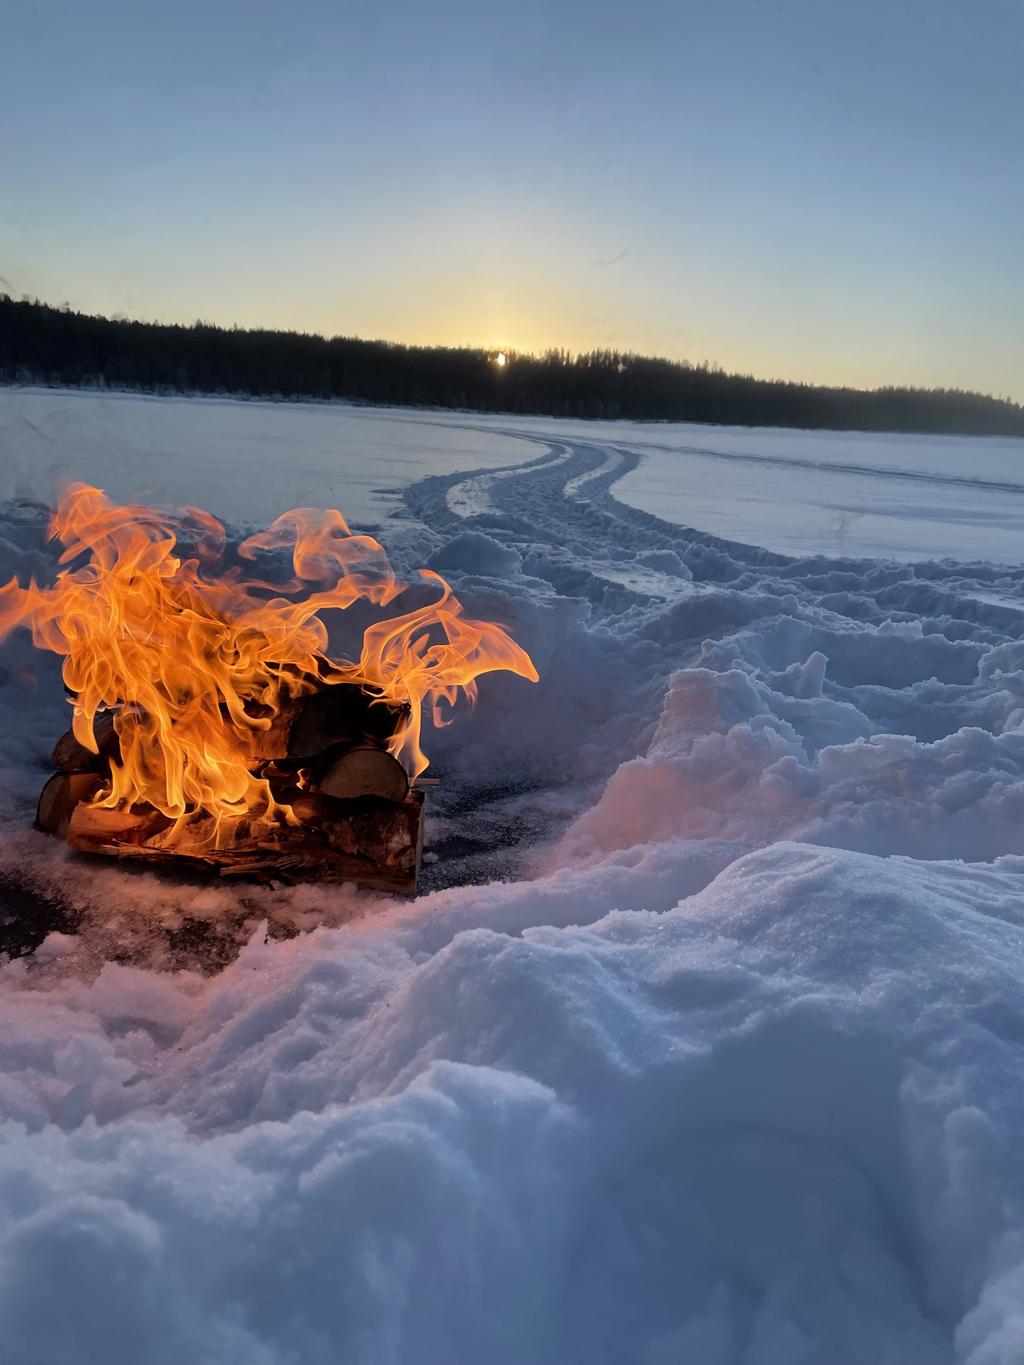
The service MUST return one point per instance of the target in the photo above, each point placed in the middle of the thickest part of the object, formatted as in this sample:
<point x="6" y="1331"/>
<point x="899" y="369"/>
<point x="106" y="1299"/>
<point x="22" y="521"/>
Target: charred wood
<point x="374" y="843"/>
<point x="72" y="757"/>
<point x="342" y="713"/>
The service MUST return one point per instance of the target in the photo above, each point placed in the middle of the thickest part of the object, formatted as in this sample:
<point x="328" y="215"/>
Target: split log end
<point x="365" y="771"/>
<point x="61" y="797"/>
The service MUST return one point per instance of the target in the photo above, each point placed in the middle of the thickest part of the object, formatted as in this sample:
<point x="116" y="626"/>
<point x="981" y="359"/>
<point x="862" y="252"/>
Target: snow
<point x="703" y="1044"/>
<point x="240" y="455"/>
<point x="832" y="493"/>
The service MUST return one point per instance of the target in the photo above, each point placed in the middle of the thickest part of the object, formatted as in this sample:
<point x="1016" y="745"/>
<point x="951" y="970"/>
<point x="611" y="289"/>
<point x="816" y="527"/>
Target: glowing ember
<point x="195" y="664"/>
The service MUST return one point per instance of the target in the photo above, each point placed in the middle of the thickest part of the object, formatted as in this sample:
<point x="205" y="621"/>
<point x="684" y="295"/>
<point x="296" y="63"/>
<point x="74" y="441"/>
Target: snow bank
<point x="777" y="1122"/>
<point x="718" y="1063"/>
<point x="733" y="758"/>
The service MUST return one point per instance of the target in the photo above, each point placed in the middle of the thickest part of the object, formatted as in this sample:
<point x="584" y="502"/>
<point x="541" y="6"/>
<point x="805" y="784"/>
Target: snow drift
<point x="776" y="1122"/>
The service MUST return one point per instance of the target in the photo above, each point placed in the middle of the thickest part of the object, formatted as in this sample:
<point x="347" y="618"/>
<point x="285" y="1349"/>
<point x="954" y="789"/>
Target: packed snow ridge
<point x="705" y="1049"/>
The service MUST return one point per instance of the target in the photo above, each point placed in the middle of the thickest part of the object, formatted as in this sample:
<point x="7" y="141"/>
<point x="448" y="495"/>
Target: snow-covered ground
<point x="797" y="492"/>
<point x="243" y="458"/>
<point x="837" y="493"/>
<point x="722" y="1064"/>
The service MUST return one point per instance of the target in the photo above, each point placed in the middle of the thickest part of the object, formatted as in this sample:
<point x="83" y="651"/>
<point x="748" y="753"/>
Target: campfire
<point x="211" y="728"/>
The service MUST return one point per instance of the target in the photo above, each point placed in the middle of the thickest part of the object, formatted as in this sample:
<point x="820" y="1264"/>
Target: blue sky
<point x="825" y="191"/>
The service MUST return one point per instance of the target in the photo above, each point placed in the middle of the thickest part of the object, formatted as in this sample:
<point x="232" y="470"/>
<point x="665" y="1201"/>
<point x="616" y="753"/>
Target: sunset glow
<point x="594" y="205"/>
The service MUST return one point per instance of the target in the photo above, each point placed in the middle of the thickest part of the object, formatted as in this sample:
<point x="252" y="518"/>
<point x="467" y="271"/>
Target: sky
<point x="828" y="191"/>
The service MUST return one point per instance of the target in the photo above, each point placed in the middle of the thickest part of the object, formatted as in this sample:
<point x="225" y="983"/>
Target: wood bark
<point x="72" y="757"/>
<point x="375" y="844"/>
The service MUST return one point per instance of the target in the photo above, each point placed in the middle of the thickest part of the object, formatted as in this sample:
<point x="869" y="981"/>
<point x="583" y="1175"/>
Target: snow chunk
<point x="477" y="553"/>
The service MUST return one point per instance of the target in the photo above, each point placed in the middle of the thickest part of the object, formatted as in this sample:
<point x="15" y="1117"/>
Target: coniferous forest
<point x="40" y="344"/>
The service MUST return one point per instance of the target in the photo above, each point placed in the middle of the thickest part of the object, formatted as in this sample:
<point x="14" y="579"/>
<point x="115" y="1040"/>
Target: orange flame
<point x="196" y="663"/>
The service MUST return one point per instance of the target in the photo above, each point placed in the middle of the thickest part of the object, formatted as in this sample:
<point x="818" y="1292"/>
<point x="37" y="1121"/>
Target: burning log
<point x="371" y="841"/>
<point x="60" y="797"/>
<point x="375" y="843"/>
<point x="99" y="829"/>
<point x="72" y="757"/>
<point x="359" y="821"/>
<point x="342" y="714"/>
<point x="226" y="738"/>
<point x="364" y="771"/>
<point x="335" y="714"/>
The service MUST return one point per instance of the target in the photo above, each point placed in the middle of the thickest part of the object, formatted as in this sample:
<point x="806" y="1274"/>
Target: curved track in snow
<point x="558" y="512"/>
<point x="613" y="601"/>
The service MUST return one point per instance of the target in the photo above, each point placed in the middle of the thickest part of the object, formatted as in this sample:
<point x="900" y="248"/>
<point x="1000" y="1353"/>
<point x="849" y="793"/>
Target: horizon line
<point x="511" y="351"/>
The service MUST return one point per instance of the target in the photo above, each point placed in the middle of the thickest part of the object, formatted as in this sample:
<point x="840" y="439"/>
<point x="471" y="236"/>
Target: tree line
<point x="46" y="345"/>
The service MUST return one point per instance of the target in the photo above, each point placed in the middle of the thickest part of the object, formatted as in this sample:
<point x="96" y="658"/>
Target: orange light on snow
<point x="196" y="662"/>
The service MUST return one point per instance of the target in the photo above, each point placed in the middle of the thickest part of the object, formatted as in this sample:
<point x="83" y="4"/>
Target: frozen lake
<point x="837" y="493"/>
<point x="841" y="494"/>
<point x="248" y="461"/>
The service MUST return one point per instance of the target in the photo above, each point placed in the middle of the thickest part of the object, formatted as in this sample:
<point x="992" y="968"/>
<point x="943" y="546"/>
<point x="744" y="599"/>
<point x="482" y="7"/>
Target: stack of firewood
<point x="324" y="755"/>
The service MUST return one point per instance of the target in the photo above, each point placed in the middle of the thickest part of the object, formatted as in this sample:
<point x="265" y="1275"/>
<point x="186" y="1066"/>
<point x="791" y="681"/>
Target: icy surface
<point x="705" y="1048"/>
<point x="837" y="493"/>
<point x="798" y="492"/>
<point x="242" y="456"/>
